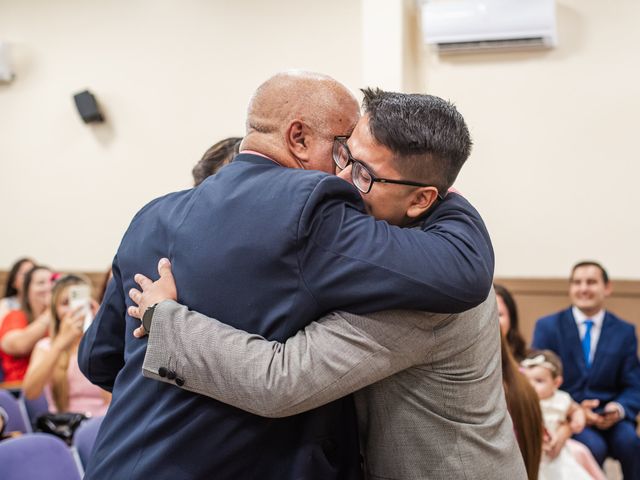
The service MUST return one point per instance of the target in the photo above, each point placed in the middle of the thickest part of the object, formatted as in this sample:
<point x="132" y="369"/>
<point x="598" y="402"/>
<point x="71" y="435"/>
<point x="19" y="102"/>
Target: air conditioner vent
<point x="488" y="45"/>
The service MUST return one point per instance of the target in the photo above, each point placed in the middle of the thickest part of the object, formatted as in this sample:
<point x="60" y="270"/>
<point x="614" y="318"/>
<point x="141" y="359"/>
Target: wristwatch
<point x="147" y="317"/>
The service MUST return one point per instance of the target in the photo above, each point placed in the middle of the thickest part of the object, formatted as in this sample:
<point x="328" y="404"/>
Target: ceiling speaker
<point x="88" y="107"/>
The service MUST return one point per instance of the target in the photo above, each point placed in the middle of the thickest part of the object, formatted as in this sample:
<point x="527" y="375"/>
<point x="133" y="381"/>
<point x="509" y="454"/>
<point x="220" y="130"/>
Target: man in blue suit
<point x="601" y="369"/>
<point x="279" y="247"/>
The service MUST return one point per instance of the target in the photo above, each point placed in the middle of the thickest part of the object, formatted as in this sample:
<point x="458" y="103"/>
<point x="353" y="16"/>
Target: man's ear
<point x="421" y="201"/>
<point x="298" y="138"/>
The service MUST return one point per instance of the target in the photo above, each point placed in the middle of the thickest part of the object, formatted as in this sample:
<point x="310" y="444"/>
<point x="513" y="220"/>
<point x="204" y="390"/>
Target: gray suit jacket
<point x="437" y="410"/>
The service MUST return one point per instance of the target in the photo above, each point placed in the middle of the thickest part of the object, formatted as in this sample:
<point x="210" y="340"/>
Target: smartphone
<point x="600" y="411"/>
<point x="80" y="296"/>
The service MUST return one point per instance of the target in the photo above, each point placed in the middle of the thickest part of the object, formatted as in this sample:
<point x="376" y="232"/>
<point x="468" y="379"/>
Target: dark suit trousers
<point x="620" y="442"/>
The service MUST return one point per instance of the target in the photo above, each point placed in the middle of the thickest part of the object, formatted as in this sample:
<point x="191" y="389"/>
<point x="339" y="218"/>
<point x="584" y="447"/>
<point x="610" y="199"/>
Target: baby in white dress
<point x="544" y="371"/>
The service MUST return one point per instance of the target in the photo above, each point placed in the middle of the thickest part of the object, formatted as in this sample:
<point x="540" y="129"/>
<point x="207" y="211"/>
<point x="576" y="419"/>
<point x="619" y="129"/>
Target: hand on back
<point x="152" y="292"/>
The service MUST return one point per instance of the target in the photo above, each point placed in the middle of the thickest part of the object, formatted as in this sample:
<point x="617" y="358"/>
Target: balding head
<point x="293" y="117"/>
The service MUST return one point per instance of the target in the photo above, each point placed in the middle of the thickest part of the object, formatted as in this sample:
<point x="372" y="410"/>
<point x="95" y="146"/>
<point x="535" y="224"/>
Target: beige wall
<point x="553" y="169"/>
<point x="555" y="165"/>
<point x="172" y="77"/>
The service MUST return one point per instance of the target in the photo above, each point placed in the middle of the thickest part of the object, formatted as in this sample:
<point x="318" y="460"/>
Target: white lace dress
<point x="564" y="466"/>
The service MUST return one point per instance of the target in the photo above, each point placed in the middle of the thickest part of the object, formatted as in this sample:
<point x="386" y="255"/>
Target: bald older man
<point x="269" y="249"/>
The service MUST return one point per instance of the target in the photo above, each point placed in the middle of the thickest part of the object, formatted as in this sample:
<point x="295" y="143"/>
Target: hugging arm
<point x="330" y="358"/>
<point x="444" y="266"/>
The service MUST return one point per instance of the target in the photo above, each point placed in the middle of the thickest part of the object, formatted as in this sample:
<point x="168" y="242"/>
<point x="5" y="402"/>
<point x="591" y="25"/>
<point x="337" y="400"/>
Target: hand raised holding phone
<point x="80" y="298"/>
<point x="71" y="327"/>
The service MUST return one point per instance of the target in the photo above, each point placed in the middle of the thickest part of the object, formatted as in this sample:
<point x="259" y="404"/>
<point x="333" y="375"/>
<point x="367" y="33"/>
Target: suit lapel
<point x="571" y="333"/>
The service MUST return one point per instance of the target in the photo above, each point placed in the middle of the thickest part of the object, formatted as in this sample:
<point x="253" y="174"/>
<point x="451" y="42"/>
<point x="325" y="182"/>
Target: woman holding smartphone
<point x="54" y="362"/>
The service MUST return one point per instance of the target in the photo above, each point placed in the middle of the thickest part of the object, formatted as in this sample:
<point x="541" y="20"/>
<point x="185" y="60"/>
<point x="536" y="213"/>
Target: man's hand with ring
<point x="152" y="293"/>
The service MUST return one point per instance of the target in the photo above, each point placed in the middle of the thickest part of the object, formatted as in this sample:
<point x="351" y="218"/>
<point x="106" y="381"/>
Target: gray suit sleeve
<point x="330" y="358"/>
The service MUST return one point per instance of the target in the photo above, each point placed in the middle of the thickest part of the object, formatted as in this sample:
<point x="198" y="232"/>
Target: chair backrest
<point x="37" y="455"/>
<point x="85" y="437"/>
<point x="17" y="421"/>
<point x="36" y="407"/>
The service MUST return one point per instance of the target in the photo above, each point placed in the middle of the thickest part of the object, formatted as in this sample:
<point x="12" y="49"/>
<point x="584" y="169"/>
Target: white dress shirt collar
<point x="580" y="317"/>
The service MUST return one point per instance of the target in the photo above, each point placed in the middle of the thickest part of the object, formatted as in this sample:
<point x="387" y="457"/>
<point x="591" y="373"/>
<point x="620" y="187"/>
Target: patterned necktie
<point x="586" y="342"/>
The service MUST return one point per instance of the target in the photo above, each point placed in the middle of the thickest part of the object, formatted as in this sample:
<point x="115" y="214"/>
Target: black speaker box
<point x="87" y="107"/>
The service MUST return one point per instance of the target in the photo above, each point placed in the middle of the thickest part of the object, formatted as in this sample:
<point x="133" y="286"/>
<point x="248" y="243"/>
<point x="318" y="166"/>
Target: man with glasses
<point x="363" y="178"/>
<point x="438" y="409"/>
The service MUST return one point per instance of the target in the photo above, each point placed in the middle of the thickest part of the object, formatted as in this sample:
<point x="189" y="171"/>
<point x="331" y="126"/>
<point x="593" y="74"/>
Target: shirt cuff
<point x="620" y="409"/>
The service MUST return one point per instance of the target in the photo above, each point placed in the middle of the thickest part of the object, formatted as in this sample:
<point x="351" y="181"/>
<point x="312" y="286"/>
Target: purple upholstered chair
<point x="36" y="407"/>
<point x="36" y="456"/>
<point x="17" y="420"/>
<point x="85" y="437"/>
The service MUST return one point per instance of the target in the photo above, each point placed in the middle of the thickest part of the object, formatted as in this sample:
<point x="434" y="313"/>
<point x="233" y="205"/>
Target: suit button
<point x="162" y="372"/>
<point x="179" y="381"/>
<point x="171" y="374"/>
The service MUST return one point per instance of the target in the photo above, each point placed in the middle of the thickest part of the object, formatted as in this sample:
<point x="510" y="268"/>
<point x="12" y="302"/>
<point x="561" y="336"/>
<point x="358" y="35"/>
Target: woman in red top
<point x="21" y="329"/>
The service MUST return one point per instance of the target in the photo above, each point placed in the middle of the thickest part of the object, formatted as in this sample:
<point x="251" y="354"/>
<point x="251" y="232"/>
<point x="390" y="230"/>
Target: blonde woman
<point x="54" y="361"/>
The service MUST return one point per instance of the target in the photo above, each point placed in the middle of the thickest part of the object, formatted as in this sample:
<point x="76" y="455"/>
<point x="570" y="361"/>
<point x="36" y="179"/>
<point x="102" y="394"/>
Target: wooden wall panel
<point x="535" y="297"/>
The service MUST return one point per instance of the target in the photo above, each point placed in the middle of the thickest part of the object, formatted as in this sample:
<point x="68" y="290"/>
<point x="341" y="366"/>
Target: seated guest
<point x="215" y="158"/>
<point x="544" y="371"/>
<point x="13" y="290"/>
<point x="54" y="362"/>
<point x="21" y="329"/>
<point x="508" y="315"/>
<point x="601" y="368"/>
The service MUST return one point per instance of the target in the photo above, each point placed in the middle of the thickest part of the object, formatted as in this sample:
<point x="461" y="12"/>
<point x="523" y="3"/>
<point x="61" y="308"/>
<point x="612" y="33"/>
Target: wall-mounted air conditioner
<point x="455" y="26"/>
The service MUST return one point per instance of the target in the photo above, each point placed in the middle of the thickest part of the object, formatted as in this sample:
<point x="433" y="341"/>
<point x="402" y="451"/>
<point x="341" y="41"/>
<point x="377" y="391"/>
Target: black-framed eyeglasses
<point x="361" y="176"/>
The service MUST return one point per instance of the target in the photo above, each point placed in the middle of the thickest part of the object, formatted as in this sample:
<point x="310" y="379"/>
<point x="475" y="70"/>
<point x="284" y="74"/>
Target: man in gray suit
<point x="428" y="386"/>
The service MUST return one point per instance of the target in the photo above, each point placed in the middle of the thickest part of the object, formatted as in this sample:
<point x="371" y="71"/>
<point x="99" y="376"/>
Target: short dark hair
<point x="216" y="157"/>
<point x="591" y="263"/>
<point x="11" y="290"/>
<point x="427" y="132"/>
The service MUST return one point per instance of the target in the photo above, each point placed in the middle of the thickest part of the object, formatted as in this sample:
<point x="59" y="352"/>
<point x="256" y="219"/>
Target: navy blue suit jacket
<point x="268" y="250"/>
<point x="614" y="375"/>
